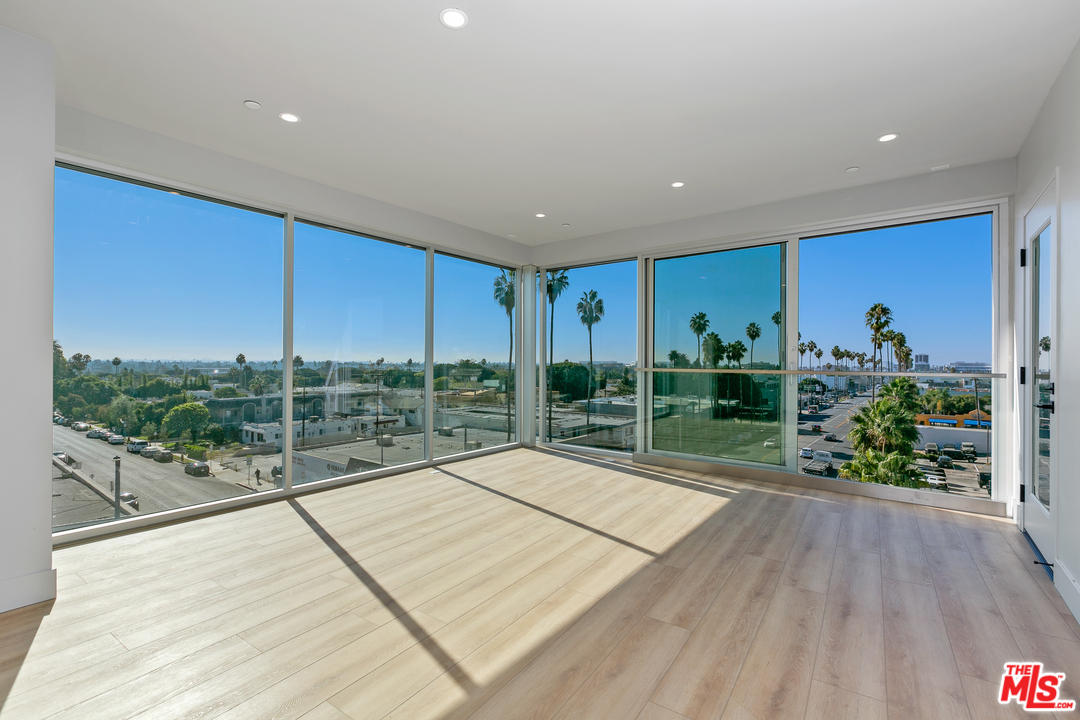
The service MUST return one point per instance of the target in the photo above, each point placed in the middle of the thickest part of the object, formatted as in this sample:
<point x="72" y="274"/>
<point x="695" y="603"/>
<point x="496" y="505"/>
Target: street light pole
<point x="116" y="489"/>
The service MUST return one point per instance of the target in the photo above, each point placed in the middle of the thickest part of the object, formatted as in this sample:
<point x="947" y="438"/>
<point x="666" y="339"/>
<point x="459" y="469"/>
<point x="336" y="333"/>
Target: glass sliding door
<point x="358" y="337"/>
<point x="475" y="311"/>
<point x="591" y="318"/>
<point x="718" y="331"/>
<point x="168" y="349"/>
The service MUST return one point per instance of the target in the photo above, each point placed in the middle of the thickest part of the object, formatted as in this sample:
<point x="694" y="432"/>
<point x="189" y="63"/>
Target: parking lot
<point x="962" y="479"/>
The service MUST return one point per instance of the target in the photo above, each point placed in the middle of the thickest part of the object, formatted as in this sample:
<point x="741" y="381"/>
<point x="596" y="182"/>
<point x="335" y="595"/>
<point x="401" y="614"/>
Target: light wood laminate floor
<point x="542" y="584"/>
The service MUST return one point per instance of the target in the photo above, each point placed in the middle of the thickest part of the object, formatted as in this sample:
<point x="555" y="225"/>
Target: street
<point x="159" y="486"/>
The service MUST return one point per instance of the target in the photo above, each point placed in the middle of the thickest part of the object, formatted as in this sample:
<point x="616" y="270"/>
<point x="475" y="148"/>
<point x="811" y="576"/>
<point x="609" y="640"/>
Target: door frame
<point x="1044" y="213"/>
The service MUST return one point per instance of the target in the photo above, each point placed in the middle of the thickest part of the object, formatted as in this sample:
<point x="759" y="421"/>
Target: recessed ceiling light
<point x="540" y="215"/>
<point x="680" y="183"/>
<point x="453" y="18"/>
<point x="888" y="137"/>
<point x="566" y="225"/>
<point x="289" y="117"/>
<point x="252" y="105"/>
<point x="853" y="168"/>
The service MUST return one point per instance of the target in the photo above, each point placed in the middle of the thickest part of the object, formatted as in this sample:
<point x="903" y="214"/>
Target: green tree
<point x="570" y="378"/>
<point x="78" y="362"/>
<point x="61" y="369"/>
<point x="190" y="417"/>
<point x="885" y="426"/>
<point x="753" y="332"/>
<point x="818" y="352"/>
<point x="257" y="385"/>
<point x="215" y="433"/>
<point x="116" y="365"/>
<point x="778" y="320"/>
<point x="227" y="391"/>
<point x="506" y="298"/>
<point x="557" y="283"/>
<point x="802" y="352"/>
<point x="590" y="310"/>
<point x="885" y="468"/>
<point x="904" y="392"/>
<point x="878" y="319"/>
<point x="699" y="323"/>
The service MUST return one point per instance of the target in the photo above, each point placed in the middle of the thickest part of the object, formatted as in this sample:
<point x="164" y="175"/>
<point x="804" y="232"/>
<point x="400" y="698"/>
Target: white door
<point x="1040" y="491"/>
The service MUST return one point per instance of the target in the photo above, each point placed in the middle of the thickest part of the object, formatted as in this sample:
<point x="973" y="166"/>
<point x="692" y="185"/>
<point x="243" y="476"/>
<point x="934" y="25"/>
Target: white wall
<point x="1054" y="142"/>
<point x="27" y="94"/>
<point x="988" y="180"/>
<point x="130" y="150"/>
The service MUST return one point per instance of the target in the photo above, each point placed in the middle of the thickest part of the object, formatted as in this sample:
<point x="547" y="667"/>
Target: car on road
<point x="131" y="499"/>
<point x="806" y="452"/>
<point x="815" y="428"/>
<point x="197" y="469"/>
<point x="275" y="472"/>
<point x="151" y="451"/>
<point x="116" y="440"/>
<point x="830" y="437"/>
<point x="136" y="446"/>
<point x="771" y="442"/>
<point x="821" y="464"/>
<point x="944" y="461"/>
<point x="95" y="433"/>
<point x="105" y="435"/>
<point x="80" y="426"/>
<point x="164" y="456"/>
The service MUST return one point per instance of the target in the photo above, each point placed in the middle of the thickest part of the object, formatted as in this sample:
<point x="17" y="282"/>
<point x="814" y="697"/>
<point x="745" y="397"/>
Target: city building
<point x="232" y="187"/>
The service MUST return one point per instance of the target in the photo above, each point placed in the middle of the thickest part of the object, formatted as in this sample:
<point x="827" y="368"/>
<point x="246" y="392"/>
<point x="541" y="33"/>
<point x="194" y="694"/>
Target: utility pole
<point x="116" y="489"/>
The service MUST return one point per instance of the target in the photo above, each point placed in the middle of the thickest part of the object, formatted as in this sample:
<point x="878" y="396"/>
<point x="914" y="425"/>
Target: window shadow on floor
<point x="400" y="613"/>
<point x="18" y="628"/>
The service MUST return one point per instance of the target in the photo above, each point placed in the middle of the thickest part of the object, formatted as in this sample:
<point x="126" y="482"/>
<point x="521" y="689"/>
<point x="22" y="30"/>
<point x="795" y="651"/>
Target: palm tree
<point x="241" y="360"/>
<point x="884" y="425"/>
<point x="590" y="309"/>
<point x="802" y="351"/>
<point x="557" y="282"/>
<point x="698" y="325"/>
<point x="736" y="351"/>
<point x="116" y="365"/>
<point x="713" y="348"/>
<point x="886" y="468"/>
<point x="818" y="353"/>
<point x="753" y="331"/>
<point x="506" y="298"/>
<point x="878" y="319"/>
<point x="778" y="320"/>
<point x="811" y="347"/>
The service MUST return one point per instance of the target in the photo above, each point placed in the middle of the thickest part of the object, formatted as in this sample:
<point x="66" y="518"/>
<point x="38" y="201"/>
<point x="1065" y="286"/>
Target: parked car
<point x="163" y="456"/>
<point x="105" y="435"/>
<point x="275" y="472"/>
<point x="932" y="449"/>
<point x="771" y="442"/>
<point x="116" y="440"/>
<point x="821" y="464"/>
<point x="80" y="426"/>
<point x="944" y="461"/>
<point x="130" y="499"/>
<point x="95" y="433"/>
<point x="197" y="469"/>
<point x="151" y="451"/>
<point x="806" y="452"/>
<point x="136" y="446"/>
<point x="829" y="437"/>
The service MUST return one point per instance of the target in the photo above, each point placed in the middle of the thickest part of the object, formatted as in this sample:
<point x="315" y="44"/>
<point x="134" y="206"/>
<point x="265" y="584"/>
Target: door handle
<point x="1049" y="406"/>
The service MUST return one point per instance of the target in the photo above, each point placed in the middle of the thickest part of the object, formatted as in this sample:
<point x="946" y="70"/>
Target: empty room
<point x="546" y="361"/>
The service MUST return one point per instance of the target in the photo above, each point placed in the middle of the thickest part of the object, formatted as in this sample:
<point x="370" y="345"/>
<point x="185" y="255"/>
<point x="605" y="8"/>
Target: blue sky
<point x="733" y="288"/>
<point x="146" y="274"/>
<point x="615" y="336"/>
<point x="935" y="277"/>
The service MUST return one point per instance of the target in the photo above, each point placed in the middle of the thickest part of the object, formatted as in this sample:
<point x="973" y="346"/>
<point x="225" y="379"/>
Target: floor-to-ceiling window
<point x="474" y="396"/>
<point x="913" y="303"/>
<point x="358" y="339"/>
<point x="591" y="318"/>
<point x="167" y="351"/>
<point x="718" y="338"/>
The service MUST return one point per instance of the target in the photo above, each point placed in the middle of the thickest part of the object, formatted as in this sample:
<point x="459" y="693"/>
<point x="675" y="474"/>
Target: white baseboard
<point x="1066" y="584"/>
<point x="26" y="590"/>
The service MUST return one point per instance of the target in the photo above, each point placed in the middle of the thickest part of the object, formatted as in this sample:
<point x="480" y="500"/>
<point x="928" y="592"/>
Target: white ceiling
<point x="584" y="110"/>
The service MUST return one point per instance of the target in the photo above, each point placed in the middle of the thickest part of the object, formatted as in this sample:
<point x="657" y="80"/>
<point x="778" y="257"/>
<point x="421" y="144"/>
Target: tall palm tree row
<point x="878" y="319"/>
<point x="506" y="296"/>
<point x="590" y="310"/>
<point x="557" y="283"/>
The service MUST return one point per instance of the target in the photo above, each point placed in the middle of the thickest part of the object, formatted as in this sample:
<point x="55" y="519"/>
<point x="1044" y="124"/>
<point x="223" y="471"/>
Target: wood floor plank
<point x="777" y="533"/>
<point x="920" y="671"/>
<point x="936" y="527"/>
<point x="851" y="652"/>
<point x="775" y="679"/>
<point x="902" y="555"/>
<point x="859" y="527"/>
<point x="652" y="711"/>
<point x="623" y="682"/>
<point x="980" y="638"/>
<point x="828" y="702"/>
<point x="982" y="697"/>
<point x="809" y="564"/>
<point x="700" y="679"/>
<point x="1057" y="655"/>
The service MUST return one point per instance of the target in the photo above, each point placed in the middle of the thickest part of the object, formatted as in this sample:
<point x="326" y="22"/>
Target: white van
<point x="136" y="446"/>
